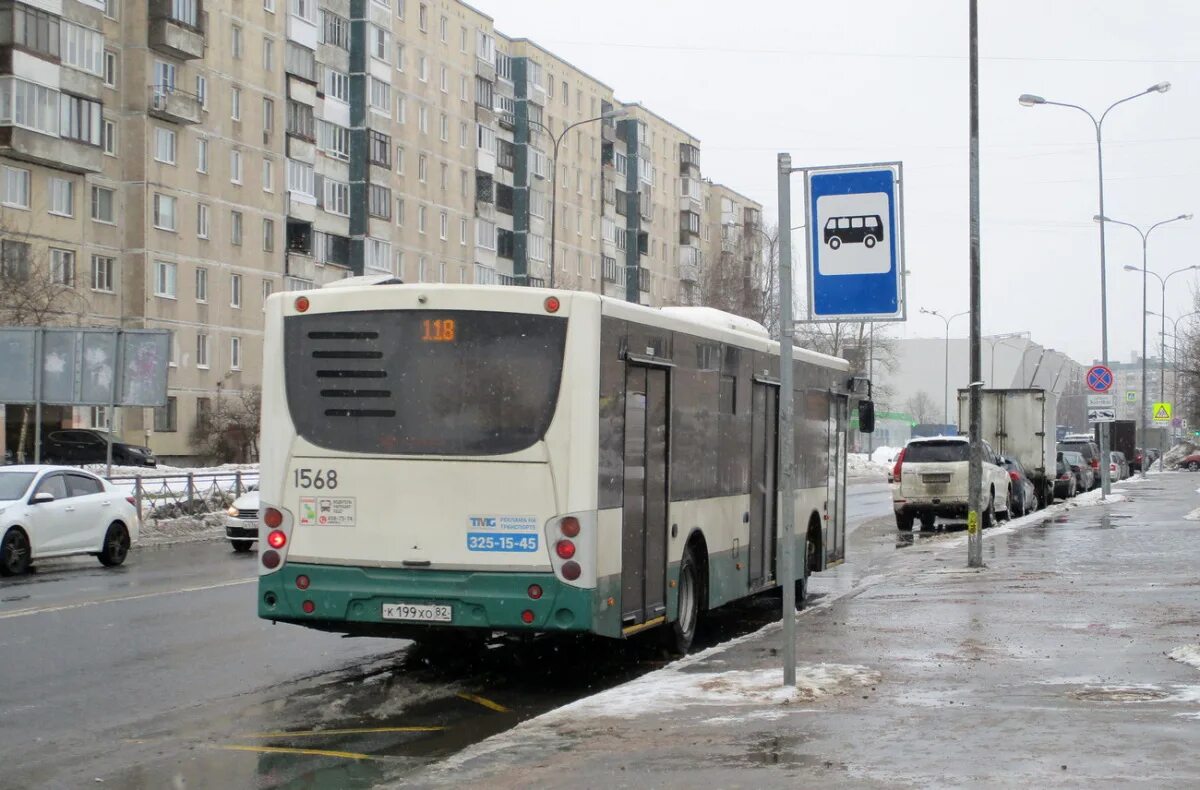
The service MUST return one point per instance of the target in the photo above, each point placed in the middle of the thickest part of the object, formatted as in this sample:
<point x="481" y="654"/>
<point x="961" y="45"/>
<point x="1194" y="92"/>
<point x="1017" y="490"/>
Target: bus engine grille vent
<point x="349" y="390"/>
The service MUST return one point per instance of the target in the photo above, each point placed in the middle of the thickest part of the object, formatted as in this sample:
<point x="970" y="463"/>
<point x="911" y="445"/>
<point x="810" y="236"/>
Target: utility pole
<point x="975" y="472"/>
<point x="787" y="458"/>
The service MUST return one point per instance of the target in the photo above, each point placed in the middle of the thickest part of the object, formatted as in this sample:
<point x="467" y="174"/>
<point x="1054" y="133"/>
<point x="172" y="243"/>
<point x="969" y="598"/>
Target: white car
<point x="931" y="481"/>
<point x="241" y="521"/>
<point x="57" y="511"/>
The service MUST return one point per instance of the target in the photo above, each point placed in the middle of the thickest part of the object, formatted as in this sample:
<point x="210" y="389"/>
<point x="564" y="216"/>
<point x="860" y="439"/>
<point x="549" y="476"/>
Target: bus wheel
<point x="869" y="241"/>
<point x="679" y="634"/>
<point x="904" y="522"/>
<point x="834" y="243"/>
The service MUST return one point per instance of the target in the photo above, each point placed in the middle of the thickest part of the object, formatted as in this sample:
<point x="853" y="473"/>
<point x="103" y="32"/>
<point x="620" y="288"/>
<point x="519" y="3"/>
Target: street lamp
<point x="946" y="377"/>
<point x="1031" y="100"/>
<point x="1162" y="281"/>
<point x="1175" y="355"/>
<point x="620" y="112"/>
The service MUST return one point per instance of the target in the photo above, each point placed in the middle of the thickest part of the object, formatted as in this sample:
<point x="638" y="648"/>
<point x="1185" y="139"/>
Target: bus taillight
<point x="571" y="570"/>
<point x="277" y="539"/>
<point x="569" y="527"/>
<point x="535" y="591"/>
<point x="301" y="304"/>
<point x="565" y="549"/>
<point x="272" y="518"/>
<point x="552" y="304"/>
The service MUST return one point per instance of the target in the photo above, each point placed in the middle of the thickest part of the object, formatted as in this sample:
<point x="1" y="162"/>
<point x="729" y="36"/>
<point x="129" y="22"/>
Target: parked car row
<point x="89" y="446"/>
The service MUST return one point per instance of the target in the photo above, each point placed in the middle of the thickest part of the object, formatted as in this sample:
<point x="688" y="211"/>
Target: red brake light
<point x="552" y="304"/>
<point x="272" y="518"/>
<point x="571" y="570"/>
<point x="309" y="607"/>
<point x="899" y="463"/>
<point x="527" y="617"/>
<point x="1095" y="462"/>
<point x="535" y="591"/>
<point x="569" y="527"/>
<point x="302" y="582"/>
<point x="277" y="539"/>
<point x="1013" y="476"/>
<point x="301" y="304"/>
<point x="131" y="500"/>
<point x="565" y="549"/>
<point x="270" y="559"/>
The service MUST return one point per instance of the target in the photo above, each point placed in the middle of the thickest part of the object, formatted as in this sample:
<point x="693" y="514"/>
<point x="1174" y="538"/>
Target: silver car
<point x="241" y="522"/>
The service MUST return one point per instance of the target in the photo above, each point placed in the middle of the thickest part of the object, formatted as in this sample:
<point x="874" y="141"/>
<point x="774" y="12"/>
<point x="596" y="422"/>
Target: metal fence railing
<point x="167" y="496"/>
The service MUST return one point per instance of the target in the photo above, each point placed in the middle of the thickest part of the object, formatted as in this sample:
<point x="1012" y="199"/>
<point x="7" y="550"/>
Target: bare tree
<point x="229" y="433"/>
<point x="743" y="279"/>
<point x="922" y="408"/>
<point x="34" y="292"/>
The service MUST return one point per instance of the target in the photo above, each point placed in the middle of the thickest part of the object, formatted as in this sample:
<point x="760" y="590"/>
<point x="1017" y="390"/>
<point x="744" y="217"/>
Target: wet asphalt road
<point x="159" y="674"/>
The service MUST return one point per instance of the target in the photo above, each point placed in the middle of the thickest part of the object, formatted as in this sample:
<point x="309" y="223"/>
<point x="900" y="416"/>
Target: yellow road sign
<point x="1162" y="412"/>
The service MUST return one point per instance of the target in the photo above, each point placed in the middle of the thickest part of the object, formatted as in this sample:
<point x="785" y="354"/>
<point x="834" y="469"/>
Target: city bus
<point x="449" y="460"/>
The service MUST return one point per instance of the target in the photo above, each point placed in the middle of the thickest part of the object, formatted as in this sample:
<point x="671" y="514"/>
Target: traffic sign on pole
<point x="1161" y="412"/>
<point x="1099" y="378"/>
<point x="855" y="242"/>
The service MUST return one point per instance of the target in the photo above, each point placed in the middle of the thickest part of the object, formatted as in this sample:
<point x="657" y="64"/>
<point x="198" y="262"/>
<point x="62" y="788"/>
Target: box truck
<point x="1020" y="424"/>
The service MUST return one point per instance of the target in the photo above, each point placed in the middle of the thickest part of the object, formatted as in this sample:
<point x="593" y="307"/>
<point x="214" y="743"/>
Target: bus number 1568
<point x="315" y="478"/>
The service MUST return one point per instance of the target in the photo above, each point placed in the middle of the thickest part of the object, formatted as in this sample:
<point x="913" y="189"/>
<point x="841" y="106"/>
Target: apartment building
<point x="733" y="241"/>
<point x="173" y="163"/>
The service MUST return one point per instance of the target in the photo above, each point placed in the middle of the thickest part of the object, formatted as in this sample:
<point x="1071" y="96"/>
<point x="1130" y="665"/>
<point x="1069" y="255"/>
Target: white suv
<point x="931" y="481"/>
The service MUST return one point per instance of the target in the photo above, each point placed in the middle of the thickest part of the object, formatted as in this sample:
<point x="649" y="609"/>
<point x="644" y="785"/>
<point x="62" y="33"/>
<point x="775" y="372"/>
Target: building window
<point x="422" y="168"/>
<point x="337" y="85"/>
<point x="462" y="230"/>
<point x="380" y="148"/>
<point x="110" y="68"/>
<point x="485" y="234"/>
<point x="268" y="54"/>
<point x="335" y="29"/>
<point x="235" y="353"/>
<point x="33" y="29"/>
<point x="79" y="119"/>
<point x="400" y="160"/>
<point x="444" y="82"/>
<point x="235" y="104"/>
<point x="268" y="234"/>
<point x="235" y="40"/>
<point x="379" y="201"/>
<point x="108" y="137"/>
<point x="62" y="267"/>
<point x="268" y="288"/>
<point x="164" y="211"/>
<point x="422" y="68"/>
<point x="62" y="197"/>
<point x="235" y="290"/>
<point x="483" y="93"/>
<point x="14" y="259"/>
<point x="268" y="175"/>
<point x="333" y="140"/>
<point x="164" y="145"/>
<point x="379" y="255"/>
<point x="201" y="284"/>
<point x="300" y="61"/>
<point x="423" y="119"/>
<point x="201" y="350"/>
<point x="400" y="211"/>
<point x="423" y="18"/>
<point x="305" y="9"/>
<point x="102" y="205"/>
<point x="102" y="273"/>
<point x="378" y="42"/>
<point x="444" y="227"/>
<point x="422" y="266"/>
<point x="445" y="128"/>
<point x="235" y="166"/>
<point x="201" y="221"/>
<point x="235" y="228"/>
<point x="202" y="155"/>
<point x="300" y="178"/>
<point x="164" y="417"/>
<point x="399" y="57"/>
<point x="202" y="90"/>
<point x="164" y="280"/>
<point x="381" y="96"/>
<point x="401" y="110"/>
<point x="300" y="120"/>
<point x="337" y="197"/>
<point x="268" y="115"/>
<point x="420" y="219"/>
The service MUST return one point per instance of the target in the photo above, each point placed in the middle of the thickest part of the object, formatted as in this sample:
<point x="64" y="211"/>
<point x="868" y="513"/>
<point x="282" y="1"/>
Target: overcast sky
<point x="848" y="81"/>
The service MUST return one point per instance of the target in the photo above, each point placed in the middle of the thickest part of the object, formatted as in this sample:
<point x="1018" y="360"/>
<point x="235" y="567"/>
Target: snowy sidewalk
<point x="1073" y="659"/>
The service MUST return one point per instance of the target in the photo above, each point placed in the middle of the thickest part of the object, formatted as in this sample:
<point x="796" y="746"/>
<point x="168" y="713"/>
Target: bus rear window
<point x="423" y="382"/>
<point x="936" y="452"/>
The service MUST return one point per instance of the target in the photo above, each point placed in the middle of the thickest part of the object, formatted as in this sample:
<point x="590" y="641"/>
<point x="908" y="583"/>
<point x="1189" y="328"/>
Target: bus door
<point x="835" y="538"/>
<point x="764" y="485"/>
<point x="644" y="519"/>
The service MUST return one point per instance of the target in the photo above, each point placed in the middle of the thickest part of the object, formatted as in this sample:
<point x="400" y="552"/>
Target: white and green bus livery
<point x="486" y="459"/>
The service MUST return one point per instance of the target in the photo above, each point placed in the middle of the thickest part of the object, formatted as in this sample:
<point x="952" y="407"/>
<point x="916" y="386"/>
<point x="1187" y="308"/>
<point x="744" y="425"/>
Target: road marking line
<point x="138" y="597"/>
<point x="284" y="750"/>
<point x="487" y="703"/>
<point x="349" y="731"/>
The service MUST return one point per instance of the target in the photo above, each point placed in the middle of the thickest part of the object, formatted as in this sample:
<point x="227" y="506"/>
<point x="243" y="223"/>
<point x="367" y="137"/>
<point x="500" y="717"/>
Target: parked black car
<point x="1066" y="479"/>
<point x="1085" y="446"/>
<point x="1024" y="492"/>
<point x="90" y="446"/>
<point x="1085" y="478"/>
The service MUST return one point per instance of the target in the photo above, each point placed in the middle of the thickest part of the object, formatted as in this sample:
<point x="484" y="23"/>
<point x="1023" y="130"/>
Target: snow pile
<point x="161" y="470"/>
<point x="182" y="530"/>
<point x="859" y="465"/>
<point x="1177" y="454"/>
<point x="1193" y="516"/>
<point x="1188" y="654"/>
<point x="674" y="689"/>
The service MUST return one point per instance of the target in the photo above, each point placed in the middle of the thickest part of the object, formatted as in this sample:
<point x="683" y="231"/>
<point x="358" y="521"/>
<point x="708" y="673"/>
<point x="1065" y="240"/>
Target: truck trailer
<point x="1020" y="424"/>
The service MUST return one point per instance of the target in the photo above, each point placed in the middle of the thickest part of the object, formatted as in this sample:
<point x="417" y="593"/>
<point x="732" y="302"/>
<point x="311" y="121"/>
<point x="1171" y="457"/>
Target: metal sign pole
<point x="39" y="344"/>
<point x="787" y="469"/>
<point x="114" y="399"/>
<point x="975" y="471"/>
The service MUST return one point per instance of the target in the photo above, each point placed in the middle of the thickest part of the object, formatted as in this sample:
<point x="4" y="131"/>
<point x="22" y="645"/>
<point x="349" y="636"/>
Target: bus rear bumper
<point x="351" y="599"/>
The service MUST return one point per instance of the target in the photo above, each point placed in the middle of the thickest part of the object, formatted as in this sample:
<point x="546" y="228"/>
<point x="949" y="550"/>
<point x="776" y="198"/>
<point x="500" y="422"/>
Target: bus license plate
<point x="425" y="612"/>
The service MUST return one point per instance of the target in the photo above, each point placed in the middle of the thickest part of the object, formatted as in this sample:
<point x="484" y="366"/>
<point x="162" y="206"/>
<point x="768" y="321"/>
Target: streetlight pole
<point x="1175" y="355"/>
<point x="1001" y="340"/>
<point x="1162" y="362"/>
<point x="618" y="113"/>
<point x="946" y="376"/>
<point x="1031" y="100"/>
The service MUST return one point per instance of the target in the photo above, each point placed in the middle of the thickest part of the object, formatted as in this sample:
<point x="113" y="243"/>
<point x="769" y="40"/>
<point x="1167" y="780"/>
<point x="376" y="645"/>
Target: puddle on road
<point x="1119" y="694"/>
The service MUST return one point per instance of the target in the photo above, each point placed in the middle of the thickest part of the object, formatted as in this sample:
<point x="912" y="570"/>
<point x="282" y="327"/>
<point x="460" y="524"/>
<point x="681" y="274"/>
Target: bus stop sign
<point x="855" y="243"/>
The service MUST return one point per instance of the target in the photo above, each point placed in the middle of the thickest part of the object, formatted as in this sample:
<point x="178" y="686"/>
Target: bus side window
<point x="856" y="222"/>
<point x="843" y="223"/>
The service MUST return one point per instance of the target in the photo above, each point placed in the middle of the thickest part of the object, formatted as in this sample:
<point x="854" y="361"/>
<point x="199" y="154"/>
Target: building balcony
<point x="173" y="105"/>
<point x="175" y="37"/>
<point x="72" y="156"/>
<point x="690" y="261"/>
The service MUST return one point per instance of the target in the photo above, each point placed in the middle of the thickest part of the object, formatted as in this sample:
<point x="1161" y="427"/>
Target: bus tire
<point x="869" y="242"/>
<point x="904" y="522"/>
<point x="834" y="243"/>
<point x="680" y="632"/>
